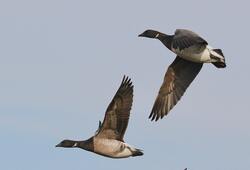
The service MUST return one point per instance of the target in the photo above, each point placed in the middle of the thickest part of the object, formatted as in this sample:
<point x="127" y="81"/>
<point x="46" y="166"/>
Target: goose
<point x="192" y="51"/>
<point x="108" y="139"/>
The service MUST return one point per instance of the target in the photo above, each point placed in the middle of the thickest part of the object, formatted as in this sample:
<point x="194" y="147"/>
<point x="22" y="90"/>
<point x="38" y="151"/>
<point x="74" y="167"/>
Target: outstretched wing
<point x="117" y="114"/>
<point x="184" y="39"/>
<point x="178" y="77"/>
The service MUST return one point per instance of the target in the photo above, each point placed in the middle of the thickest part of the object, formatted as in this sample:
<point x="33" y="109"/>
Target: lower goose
<point x="108" y="139"/>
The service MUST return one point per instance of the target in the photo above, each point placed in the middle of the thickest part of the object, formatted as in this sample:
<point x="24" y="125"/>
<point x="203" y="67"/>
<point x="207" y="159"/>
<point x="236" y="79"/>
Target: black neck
<point x="86" y="144"/>
<point x="166" y="40"/>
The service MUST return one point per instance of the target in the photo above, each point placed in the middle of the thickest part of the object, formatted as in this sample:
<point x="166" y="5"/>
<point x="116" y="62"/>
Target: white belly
<point x="111" y="148"/>
<point x="199" y="57"/>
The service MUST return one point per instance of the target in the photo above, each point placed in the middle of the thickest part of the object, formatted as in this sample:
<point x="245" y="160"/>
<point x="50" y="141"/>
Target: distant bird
<point x="108" y="140"/>
<point x="192" y="51"/>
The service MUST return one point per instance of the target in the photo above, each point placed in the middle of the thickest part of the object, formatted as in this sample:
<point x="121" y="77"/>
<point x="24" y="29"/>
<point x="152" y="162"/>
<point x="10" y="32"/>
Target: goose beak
<point x="140" y="35"/>
<point x="58" y="145"/>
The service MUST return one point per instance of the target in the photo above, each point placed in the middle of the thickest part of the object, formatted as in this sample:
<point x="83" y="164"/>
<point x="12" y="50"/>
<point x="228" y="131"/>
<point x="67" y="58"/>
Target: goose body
<point x="108" y="139"/>
<point x="192" y="51"/>
<point x="113" y="148"/>
<point x="200" y="56"/>
<point x="190" y="46"/>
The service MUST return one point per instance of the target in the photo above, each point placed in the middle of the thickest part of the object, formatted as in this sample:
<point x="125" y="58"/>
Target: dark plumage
<point x="192" y="51"/>
<point x="108" y="140"/>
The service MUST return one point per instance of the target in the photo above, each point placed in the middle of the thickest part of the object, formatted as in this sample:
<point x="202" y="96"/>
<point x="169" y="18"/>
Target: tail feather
<point x="221" y="63"/>
<point x="219" y="51"/>
<point x="137" y="152"/>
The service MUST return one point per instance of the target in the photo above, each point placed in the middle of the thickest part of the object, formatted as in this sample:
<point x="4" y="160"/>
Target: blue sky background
<point x="61" y="62"/>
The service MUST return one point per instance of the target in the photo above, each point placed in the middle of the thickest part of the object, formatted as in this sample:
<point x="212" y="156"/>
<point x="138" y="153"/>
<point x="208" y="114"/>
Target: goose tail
<point x="220" y="63"/>
<point x="137" y="152"/>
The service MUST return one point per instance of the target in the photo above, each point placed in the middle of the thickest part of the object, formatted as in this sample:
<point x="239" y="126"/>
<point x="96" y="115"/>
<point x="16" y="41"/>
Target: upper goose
<point x="108" y="140"/>
<point x="192" y="51"/>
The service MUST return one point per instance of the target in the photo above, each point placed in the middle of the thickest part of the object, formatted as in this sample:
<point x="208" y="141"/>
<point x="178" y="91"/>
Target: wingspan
<point x="178" y="77"/>
<point x="117" y="114"/>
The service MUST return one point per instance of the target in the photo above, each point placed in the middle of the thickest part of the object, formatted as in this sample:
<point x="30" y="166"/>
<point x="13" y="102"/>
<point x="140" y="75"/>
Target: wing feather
<point x="178" y="77"/>
<point x="117" y="114"/>
<point x="186" y="38"/>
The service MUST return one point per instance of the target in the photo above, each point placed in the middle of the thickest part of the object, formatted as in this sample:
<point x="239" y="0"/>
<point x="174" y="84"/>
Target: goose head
<point x="150" y="34"/>
<point x="67" y="144"/>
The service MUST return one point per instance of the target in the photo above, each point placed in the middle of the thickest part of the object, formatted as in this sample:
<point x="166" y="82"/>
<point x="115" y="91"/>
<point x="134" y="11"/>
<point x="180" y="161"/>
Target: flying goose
<point x="192" y="51"/>
<point x="108" y="139"/>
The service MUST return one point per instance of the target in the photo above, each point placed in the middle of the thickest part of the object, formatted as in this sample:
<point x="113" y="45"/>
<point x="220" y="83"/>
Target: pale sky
<point x="61" y="63"/>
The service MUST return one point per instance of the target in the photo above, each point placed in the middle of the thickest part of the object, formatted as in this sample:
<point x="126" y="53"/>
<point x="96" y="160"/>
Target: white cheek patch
<point x="157" y="35"/>
<point x="75" y="145"/>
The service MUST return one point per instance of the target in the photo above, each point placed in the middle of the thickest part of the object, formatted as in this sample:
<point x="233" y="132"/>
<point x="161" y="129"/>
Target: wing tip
<point x="154" y="116"/>
<point x="157" y="114"/>
<point x="127" y="82"/>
